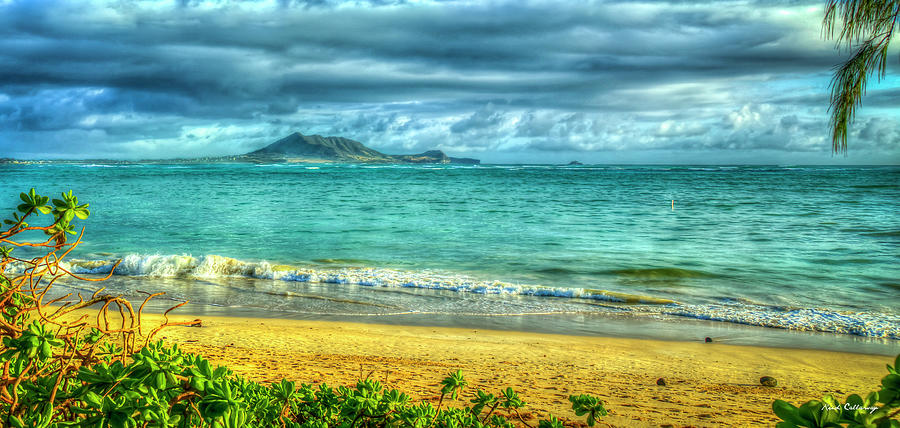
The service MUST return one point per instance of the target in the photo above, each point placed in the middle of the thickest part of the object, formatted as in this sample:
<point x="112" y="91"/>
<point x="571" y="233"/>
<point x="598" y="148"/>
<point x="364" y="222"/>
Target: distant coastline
<point x="294" y="148"/>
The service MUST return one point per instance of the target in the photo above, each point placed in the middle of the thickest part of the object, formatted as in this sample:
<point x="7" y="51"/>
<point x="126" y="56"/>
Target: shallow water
<point x="802" y="248"/>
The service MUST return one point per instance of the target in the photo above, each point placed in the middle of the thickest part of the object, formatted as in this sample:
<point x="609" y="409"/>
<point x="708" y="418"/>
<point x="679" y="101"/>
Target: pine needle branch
<point x="870" y="25"/>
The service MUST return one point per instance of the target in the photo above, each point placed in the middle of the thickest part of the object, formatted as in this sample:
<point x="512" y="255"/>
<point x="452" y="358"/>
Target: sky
<point x="519" y="81"/>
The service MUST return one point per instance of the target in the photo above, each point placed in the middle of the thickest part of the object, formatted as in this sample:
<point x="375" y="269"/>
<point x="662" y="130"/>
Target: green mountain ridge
<point x="316" y="148"/>
<point x="292" y="149"/>
<point x="298" y="145"/>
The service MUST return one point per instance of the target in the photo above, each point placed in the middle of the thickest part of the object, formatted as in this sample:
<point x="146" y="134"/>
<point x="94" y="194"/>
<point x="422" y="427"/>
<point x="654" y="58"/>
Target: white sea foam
<point x="211" y="266"/>
<point x="802" y="319"/>
<point x="730" y="310"/>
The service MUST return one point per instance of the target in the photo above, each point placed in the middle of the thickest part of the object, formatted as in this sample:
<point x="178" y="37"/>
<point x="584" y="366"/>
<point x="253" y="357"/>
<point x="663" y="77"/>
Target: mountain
<point x="316" y="148"/>
<point x="295" y="148"/>
<point x="434" y="156"/>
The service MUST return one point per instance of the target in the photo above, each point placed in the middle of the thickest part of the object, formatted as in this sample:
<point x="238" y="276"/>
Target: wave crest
<point x="212" y="266"/>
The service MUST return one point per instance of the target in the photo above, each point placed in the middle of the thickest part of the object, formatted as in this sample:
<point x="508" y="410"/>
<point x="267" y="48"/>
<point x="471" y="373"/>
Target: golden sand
<point x="707" y="384"/>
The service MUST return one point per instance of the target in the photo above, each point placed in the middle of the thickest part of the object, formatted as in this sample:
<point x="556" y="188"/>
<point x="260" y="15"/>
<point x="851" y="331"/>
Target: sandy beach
<point x="707" y="384"/>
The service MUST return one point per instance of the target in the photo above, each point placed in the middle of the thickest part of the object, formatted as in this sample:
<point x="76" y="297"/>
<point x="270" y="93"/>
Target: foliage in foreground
<point x="875" y="411"/>
<point x="59" y="370"/>
<point x="867" y="27"/>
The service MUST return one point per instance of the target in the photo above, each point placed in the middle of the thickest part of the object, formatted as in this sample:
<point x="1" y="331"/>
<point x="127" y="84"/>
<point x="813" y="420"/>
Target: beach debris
<point x="768" y="381"/>
<point x="708" y="340"/>
<point x="661" y="382"/>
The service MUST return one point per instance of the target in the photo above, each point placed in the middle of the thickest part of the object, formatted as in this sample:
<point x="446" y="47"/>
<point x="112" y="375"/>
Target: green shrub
<point x="59" y="370"/>
<point x="877" y="410"/>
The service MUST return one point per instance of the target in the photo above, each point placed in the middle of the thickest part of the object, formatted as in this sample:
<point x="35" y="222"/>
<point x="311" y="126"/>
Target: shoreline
<point x="601" y="325"/>
<point x="708" y="384"/>
<point x="244" y="296"/>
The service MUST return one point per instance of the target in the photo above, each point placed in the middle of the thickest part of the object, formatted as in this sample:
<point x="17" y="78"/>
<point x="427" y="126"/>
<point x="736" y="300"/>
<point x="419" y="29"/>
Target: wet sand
<point x="707" y="384"/>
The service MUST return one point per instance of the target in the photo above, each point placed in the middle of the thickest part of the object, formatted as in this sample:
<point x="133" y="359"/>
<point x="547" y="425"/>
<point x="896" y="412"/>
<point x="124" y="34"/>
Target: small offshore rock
<point x="768" y="381"/>
<point x="708" y="340"/>
<point x="661" y="382"/>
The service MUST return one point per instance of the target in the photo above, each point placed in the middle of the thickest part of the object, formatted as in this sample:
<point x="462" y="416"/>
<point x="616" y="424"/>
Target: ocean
<point x="783" y="255"/>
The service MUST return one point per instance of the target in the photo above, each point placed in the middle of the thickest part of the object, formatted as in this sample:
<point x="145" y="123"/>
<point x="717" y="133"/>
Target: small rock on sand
<point x="768" y="381"/>
<point x="661" y="382"/>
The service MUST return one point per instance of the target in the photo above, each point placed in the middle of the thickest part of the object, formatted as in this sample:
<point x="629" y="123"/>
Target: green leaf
<point x="830" y="401"/>
<point x="93" y="400"/>
<point x="46" y="351"/>
<point x="891" y="381"/>
<point x="119" y="420"/>
<point x="855" y="400"/>
<point x="787" y="412"/>
<point x="887" y="395"/>
<point x="814" y="412"/>
<point x="16" y="422"/>
<point x="217" y="408"/>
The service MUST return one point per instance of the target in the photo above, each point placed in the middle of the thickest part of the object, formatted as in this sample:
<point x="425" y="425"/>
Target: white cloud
<point x="519" y="79"/>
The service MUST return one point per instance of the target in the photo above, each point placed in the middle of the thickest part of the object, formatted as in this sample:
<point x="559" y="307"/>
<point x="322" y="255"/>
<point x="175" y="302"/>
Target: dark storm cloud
<point x="158" y="79"/>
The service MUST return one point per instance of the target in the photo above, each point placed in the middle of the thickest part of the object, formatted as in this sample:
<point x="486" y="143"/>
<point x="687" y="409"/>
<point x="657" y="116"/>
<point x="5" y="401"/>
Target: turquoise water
<point x="801" y="248"/>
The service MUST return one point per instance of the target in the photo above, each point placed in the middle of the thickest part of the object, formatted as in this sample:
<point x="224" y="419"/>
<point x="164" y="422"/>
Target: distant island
<point x="316" y="148"/>
<point x="297" y="148"/>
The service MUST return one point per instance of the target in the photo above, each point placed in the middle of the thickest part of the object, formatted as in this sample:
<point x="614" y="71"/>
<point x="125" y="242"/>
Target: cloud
<point x="485" y="118"/>
<point x="509" y="80"/>
<point x="875" y="132"/>
<point x="673" y="129"/>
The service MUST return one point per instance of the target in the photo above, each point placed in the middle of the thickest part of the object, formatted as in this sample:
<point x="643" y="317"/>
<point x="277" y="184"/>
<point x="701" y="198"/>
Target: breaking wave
<point x="867" y="324"/>
<point x="212" y="266"/>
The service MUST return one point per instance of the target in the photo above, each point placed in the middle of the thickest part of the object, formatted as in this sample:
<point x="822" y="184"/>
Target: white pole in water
<point x="673" y="205"/>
